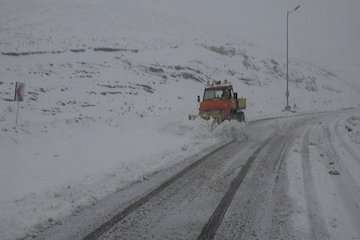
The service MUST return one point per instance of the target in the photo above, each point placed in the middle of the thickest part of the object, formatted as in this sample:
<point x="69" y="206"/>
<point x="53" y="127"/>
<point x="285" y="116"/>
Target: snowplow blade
<point x="242" y="103"/>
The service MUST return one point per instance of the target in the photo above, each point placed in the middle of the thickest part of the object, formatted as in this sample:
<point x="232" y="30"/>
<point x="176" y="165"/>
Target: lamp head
<point x="297" y="7"/>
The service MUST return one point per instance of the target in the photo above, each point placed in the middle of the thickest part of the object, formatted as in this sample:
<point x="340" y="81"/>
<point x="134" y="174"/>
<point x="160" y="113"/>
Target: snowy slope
<point x="108" y="90"/>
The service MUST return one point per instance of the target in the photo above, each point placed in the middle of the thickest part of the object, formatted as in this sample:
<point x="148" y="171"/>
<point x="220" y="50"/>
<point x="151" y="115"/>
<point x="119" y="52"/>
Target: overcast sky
<point x="323" y="31"/>
<point x="326" y="32"/>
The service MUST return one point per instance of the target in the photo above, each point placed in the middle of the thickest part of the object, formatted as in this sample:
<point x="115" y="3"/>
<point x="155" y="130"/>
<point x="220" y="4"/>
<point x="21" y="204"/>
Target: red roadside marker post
<point x="19" y="97"/>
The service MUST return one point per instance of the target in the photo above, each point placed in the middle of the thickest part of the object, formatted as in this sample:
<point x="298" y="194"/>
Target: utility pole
<point x="287" y="107"/>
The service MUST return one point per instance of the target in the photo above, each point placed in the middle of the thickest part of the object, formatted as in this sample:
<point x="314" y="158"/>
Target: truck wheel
<point x="241" y="116"/>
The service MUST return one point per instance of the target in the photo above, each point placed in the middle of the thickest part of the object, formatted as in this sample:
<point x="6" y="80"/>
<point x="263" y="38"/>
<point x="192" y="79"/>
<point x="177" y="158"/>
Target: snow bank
<point x="352" y="127"/>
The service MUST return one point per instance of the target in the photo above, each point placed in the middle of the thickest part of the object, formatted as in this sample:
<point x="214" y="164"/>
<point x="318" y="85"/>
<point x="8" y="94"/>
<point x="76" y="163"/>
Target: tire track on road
<point x="209" y="230"/>
<point x="281" y="208"/>
<point x="317" y="223"/>
<point x="138" y="203"/>
<point x="255" y="212"/>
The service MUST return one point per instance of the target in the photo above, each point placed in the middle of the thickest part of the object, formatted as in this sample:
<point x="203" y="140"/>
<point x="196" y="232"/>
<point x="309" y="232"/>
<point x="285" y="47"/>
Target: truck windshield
<point x="216" y="94"/>
<point x="213" y="94"/>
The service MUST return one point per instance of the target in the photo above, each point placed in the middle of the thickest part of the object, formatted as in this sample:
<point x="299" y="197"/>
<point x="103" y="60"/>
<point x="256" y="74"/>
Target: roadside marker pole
<point x="17" y="113"/>
<point x="18" y="97"/>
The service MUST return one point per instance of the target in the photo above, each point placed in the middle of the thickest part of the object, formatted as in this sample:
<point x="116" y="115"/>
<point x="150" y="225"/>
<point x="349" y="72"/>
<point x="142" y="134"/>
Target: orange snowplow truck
<point x="221" y="103"/>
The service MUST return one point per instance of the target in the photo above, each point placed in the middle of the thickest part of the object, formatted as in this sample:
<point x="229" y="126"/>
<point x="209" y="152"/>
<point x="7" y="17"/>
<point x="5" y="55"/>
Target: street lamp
<point x="287" y="107"/>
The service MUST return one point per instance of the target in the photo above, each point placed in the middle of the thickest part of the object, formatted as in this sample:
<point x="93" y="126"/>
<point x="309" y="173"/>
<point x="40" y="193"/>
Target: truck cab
<point x="220" y="102"/>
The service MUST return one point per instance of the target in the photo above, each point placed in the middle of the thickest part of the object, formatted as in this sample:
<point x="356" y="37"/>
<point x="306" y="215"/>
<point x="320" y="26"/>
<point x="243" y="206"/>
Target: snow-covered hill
<point x="108" y="90"/>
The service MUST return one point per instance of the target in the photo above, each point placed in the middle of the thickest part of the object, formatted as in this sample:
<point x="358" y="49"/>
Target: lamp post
<point x="287" y="107"/>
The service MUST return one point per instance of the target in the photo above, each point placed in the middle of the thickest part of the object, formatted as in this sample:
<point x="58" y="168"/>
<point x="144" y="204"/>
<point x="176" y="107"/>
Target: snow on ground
<point x="324" y="180"/>
<point x="352" y="127"/>
<point x="108" y="90"/>
<point x="70" y="168"/>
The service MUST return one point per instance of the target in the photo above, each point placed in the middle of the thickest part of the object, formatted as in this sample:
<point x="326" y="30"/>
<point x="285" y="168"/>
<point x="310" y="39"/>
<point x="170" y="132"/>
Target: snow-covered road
<point x="109" y="86"/>
<point x="283" y="178"/>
